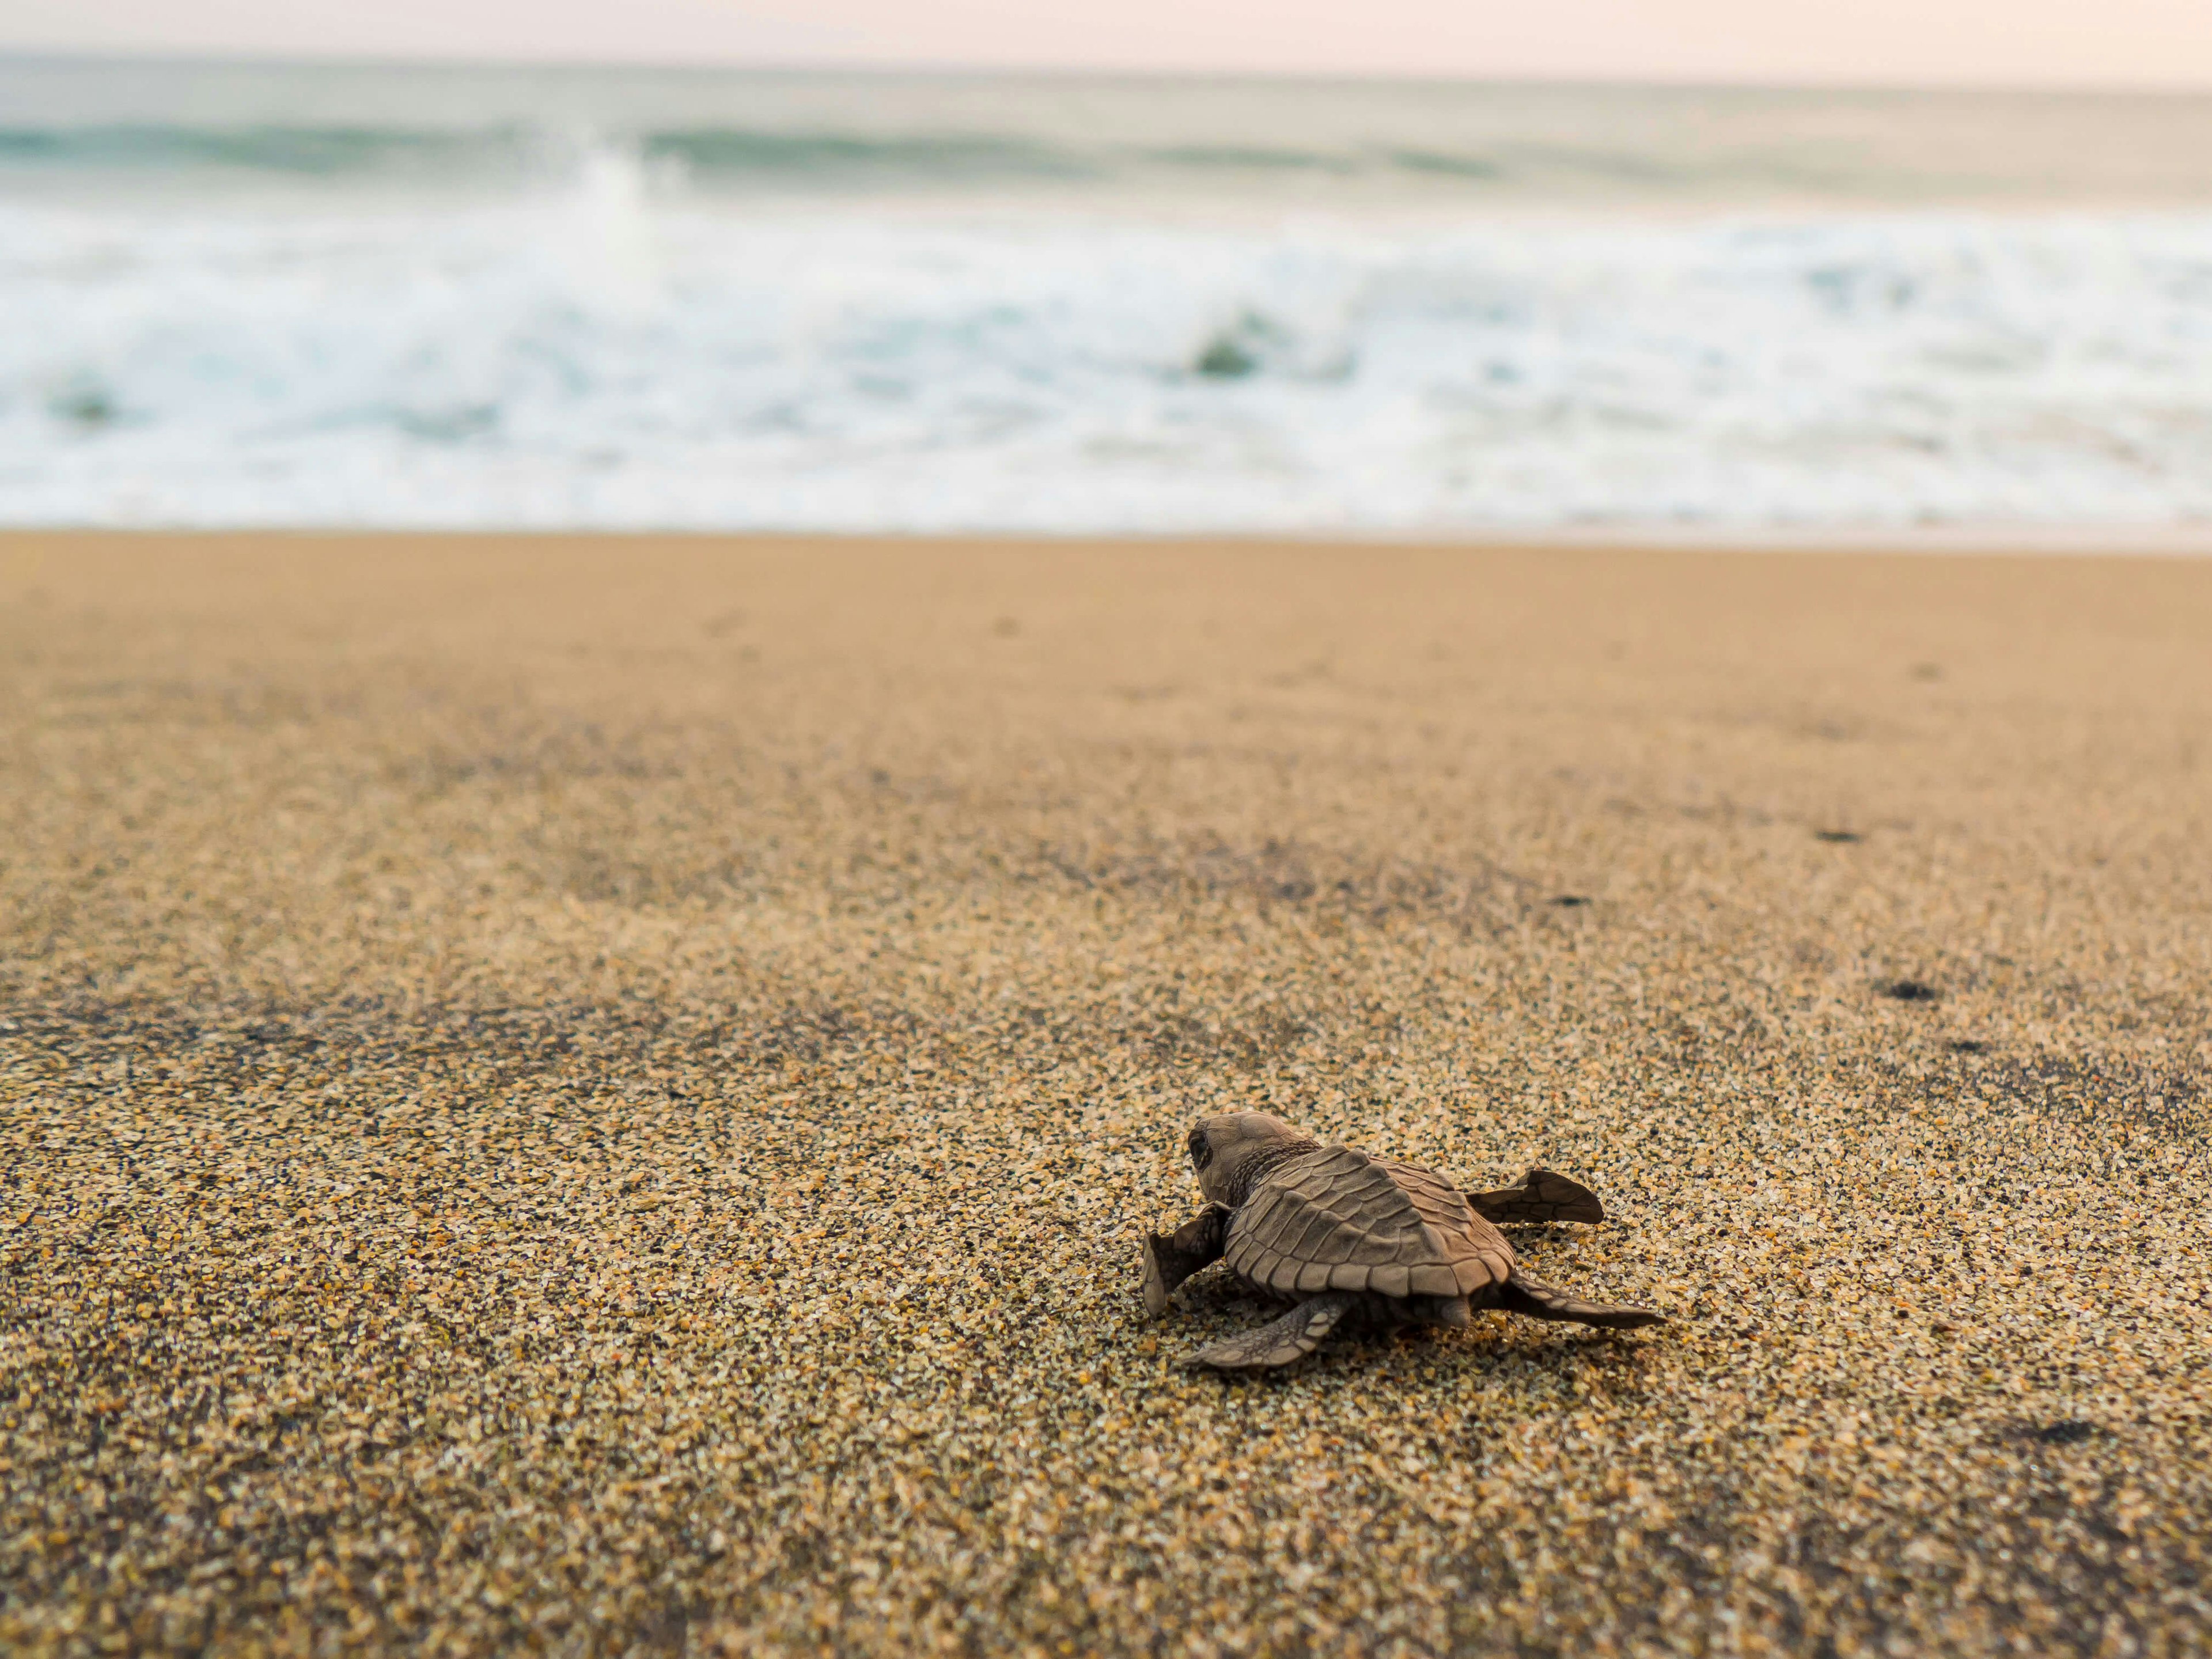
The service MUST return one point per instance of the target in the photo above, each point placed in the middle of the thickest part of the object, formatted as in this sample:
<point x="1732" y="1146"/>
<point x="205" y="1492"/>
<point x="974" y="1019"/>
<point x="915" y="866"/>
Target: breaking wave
<point x="359" y="294"/>
<point x="719" y="156"/>
<point x="624" y="353"/>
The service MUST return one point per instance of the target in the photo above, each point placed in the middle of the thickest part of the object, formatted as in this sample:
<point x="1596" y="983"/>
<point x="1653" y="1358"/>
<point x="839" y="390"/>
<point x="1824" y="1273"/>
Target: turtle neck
<point x="1258" y="1166"/>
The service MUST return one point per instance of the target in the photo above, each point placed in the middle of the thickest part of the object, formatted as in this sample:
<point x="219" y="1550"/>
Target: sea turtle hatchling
<point x="1351" y="1238"/>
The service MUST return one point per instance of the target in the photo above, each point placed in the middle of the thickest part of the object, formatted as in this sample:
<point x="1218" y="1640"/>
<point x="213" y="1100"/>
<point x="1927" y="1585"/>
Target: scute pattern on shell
<point x="1341" y="1220"/>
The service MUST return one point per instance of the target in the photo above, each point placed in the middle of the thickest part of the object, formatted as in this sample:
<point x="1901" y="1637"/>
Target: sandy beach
<point x="599" y="1095"/>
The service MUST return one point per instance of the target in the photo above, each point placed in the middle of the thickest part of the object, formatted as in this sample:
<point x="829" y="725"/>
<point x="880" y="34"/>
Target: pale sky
<point x="2125" y="43"/>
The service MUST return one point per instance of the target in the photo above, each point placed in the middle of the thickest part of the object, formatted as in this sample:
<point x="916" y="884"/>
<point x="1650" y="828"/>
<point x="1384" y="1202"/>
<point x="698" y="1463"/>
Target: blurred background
<point x="1426" y="267"/>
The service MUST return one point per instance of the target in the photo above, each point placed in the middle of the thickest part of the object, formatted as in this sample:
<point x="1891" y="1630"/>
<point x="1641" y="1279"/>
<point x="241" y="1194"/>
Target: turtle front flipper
<point x="1523" y="1295"/>
<point x="1542" y="1195"/>
<point x="1171" y="1258"/>
<point x="1280" y="1341"/>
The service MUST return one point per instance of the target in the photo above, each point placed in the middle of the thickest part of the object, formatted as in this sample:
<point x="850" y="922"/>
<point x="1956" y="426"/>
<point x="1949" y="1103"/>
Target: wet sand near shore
<point x="599" y="1095"/>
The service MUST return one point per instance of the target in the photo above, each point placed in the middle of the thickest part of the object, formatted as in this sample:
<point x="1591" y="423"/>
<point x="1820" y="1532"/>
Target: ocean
<point x="265" y="295"/>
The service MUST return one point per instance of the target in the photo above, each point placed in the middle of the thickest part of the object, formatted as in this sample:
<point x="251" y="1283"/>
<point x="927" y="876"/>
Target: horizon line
<point x="243" y="58"/>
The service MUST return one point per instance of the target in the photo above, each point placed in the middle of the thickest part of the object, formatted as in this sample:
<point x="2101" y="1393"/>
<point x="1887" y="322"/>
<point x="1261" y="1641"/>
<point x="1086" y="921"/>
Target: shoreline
<point x="1992" y="541"/>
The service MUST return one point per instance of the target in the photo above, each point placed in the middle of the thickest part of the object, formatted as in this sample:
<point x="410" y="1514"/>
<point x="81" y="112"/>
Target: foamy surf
<point x="610" y="344"/>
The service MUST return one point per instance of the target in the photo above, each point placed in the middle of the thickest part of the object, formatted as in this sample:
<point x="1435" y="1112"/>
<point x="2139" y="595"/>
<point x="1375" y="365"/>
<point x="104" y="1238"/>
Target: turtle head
<point x="1233" y="1151"/>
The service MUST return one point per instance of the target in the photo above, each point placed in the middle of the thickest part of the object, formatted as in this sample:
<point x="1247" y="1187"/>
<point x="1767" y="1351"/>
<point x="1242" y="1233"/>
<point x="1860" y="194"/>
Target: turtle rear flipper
<point x="1280" y="1341"/>
<point x="1523" y="1295"/>
<point x="1542" y="1195"/>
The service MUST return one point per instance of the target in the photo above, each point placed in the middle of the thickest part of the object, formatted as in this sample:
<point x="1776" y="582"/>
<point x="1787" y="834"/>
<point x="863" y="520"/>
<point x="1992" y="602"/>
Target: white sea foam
<point x="624" y="353"/>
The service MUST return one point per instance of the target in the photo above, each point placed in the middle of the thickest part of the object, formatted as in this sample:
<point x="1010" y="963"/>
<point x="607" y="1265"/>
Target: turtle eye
<point x="1200" y="1153"/>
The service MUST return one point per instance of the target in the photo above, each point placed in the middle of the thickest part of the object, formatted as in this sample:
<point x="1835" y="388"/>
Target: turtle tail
<point x="1523" y="1295"/>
